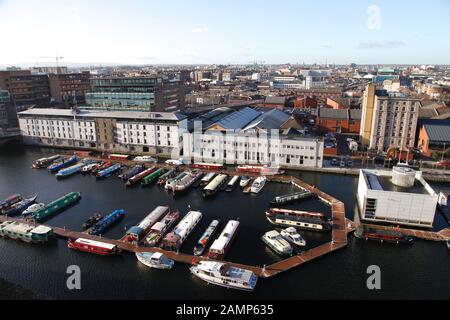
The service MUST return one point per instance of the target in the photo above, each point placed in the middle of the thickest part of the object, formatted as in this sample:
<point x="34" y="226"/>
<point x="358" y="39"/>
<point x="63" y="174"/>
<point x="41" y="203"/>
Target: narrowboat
<point x="160" y="229"/>
<point x="56" y="206"/>
<point x="207" y="166"/>
<point x="138" y="232"/>
<point x="207" y="179"/>
<point x="292" y="197"/>
<point x="108" y="171"/>
<point x="260" y="170"/>
<point x="146" y="159"/>
<point x="168" y="175"/>
<point x="20" y="206"/>
<point x="222" y="244"/>
<point x="8" y="202"/>
<point x="89" y="223"/>
<point x="61" y="164"/>
<point x="67" y="172"/>
<point x="107" y="222"/>
<point x="201" y="245"/>
<point x="175" y="239"/>
<point x="138" y="178"/>
<point x="96" y="247"/>
<point x="132" y="172"/>
<point x="45" y="162"/>
<point x="152" y="178"/>
<point x="389" y="236"/>
<point x="232" y="184"/>
<point x="212" y="188"/>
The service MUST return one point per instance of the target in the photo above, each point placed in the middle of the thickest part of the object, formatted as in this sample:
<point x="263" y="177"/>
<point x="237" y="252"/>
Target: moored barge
<point x="56" y="206"/>
<point x="184" y="181"/>
<point x="132" y="172"/>
<point x="160" y="229"/>
<point x="96" y="247"/>
<point x="136" y="233"/>
<point x="222" y="244"/>
<point x="20" y="206"/>
<point x="21" y="231"/>
<point x="152" y="178"/>
<point x="232" y="184"/>
<point x="259" y="170"/>
<point x="105" y="173"/>
<point x="138" y="178"/>
<point x="168" y="175"/>
<point x="214" y="186"/>
<point x="174" y="240"/>
<point x="201" y="245"/>
<point x="45" y="162"/>
<point x="107" y="222"/>
<point x="390" y="236"/>
<point x="61" y="164"/>
<point x="11" y="200"/>
<point x="292" y="197"/>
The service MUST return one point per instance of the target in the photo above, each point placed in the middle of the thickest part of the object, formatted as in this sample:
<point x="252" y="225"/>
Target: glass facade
<point x="120" y="101"/>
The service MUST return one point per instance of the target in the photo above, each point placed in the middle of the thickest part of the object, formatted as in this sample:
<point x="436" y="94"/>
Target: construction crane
<point x="57" y="63"/>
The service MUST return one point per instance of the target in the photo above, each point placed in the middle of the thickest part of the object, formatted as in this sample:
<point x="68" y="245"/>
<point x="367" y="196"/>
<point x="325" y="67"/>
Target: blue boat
<point x="107" y="222"/>
<point x="132" y="172"/>
<point x="20" y="206"/>
<point x="64" y="173"/>
<point x="62" y="164"/>
<point x="108" y="171"/>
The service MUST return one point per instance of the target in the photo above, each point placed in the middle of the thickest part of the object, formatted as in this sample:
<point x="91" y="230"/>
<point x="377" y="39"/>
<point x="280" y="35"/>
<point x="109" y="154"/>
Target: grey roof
<point x="173" y="116"/>
<point x="275" y="100"/>
<point x="272" y="119"/>
<point x="438" y="133"/>
<point x="328" y="113"/>
<point x="238" y="119"/>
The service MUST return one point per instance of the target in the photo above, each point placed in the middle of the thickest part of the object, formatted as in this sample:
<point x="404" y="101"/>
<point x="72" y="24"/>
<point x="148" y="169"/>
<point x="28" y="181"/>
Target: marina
<point x="268" y="270"/>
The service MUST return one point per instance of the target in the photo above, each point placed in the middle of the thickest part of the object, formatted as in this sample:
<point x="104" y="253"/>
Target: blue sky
<point x="225" y="31"/>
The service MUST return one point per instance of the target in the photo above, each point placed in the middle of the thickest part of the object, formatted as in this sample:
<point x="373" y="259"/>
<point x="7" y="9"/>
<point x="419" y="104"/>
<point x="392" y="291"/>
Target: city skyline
<point x="363" y="32"/>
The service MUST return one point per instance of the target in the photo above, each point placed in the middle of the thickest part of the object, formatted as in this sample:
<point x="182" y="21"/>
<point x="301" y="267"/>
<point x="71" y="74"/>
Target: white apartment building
<point x="244" y="148"/>
<point x="112" y="131"/>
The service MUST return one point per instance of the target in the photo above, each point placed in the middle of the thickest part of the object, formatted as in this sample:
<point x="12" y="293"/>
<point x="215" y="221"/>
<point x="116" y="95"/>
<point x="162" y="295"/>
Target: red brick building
<point x="339" y="120"/>
<point x="338" y="103"/>
<point x="434" y="138"/>
<point x="305" y="102"/>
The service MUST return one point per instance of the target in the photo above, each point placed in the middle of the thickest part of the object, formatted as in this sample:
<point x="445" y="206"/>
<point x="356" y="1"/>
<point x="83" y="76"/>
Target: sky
<point x="224" y="31"/>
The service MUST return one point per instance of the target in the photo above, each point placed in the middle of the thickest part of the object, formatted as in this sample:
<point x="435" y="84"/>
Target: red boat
<point x="260" y="170"/>
<point x="96" y="247"/>
<point x="119" y="157"/>
<point x="137" y="178"/>
<point x="104" y="166"/>
<point x="208" y="166"/>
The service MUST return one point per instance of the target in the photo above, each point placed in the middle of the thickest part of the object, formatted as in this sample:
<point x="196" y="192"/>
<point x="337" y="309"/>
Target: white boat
<point x="276" y="242"/>
<point x="292" y="236"/>
<point x="145" y="159"/>
<point x="224" y="275"/>
<point x="244" y="181"/>
<point x="88" y="168"/>
<point x="155" y="260"/>
<point x="176" y="162"/>
<point x="258" y="184"/>
<point x="33" y="208"/>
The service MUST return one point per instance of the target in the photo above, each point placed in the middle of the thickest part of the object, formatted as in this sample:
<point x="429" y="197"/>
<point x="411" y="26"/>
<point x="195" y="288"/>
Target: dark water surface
<point x="420" y="271"/>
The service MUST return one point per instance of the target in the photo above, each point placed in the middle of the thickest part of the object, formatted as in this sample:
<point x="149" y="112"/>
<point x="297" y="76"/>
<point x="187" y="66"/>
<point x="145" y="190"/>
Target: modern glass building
<point x="135" y="94"/>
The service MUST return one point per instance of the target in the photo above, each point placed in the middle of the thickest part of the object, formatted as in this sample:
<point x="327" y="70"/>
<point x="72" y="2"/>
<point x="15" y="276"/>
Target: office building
<point x="69" y="88"/>
<point x="26" y="88"/>
<point x="150" y="94"/>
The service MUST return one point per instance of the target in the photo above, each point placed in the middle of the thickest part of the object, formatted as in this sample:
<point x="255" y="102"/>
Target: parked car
<point x="334" y="162"/>
<point x="349" y="163"/>
<point x="342" y="164"/>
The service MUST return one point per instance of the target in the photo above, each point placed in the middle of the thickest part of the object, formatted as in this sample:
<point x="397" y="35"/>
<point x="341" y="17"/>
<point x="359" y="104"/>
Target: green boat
<point x="56" y="206"/>
<point x="152" y="178"/>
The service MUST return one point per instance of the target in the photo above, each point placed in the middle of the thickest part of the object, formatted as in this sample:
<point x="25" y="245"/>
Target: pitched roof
<point x="438" y="133"/>
<point x="272" y="119"/>
<point x="238" y="119"/>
